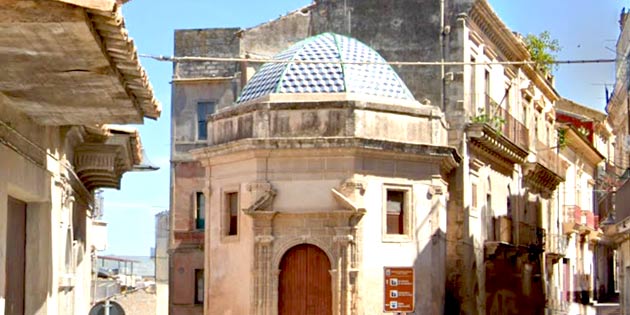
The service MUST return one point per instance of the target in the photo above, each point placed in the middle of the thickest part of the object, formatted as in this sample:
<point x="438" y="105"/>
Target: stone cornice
<point x="509" y="44"/>
<point x="417" y="110"/>
<point x="489" y="23"/>
<point x="576" y="141"/>
<point x="447" y="157"/>
<point x="106" y="155"/>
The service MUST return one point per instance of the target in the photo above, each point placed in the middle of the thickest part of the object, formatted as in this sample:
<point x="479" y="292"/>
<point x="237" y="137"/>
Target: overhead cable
<point x="391" y="63"/>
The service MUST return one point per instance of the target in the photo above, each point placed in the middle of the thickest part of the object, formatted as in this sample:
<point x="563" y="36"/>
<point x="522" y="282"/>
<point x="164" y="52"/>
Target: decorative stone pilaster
<point x="263" y="296"/>
<point x="260" y="199"/>
<point x="343" y="293"/>
<point x="350" y="195"/>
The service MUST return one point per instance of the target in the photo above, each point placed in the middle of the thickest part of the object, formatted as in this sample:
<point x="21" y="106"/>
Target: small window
<point x="231" y="209"/>
<point x="198" y="286"/>
<point x="200" y="214"/>
<point x="487" y="82"/>
<point x="474" y="195"/>
<point x="395" y="212"/>
<point x="473" y="84"/>
<point x="203" y="110"/>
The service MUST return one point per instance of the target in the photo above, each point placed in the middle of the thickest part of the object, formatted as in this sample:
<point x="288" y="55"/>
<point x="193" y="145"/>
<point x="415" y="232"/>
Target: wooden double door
<point x="305" y="285"/>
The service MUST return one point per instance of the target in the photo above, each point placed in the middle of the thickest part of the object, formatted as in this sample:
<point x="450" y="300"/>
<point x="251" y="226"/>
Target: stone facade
<point x="501" y="121"/>
<point x="617" y="109"/>
<point x="56" y="147"/>
<point x="308" y="171"/>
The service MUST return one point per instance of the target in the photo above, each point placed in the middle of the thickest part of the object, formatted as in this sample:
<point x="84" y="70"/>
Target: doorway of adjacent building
<point x="16" y="248"/>
<point x="305" y="285"/>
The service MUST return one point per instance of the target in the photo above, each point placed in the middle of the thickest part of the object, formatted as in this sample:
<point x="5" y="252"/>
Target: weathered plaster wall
<point x="185" y="97"/>
<point x="188" y="181"/>
<point x="218" y="42"/>
<point x="182" y="290"/>
<point x="270" y="38"/>
<point x="303" y="181"/>
<point x="229" y="259"/>
<point x="405" y="30"/>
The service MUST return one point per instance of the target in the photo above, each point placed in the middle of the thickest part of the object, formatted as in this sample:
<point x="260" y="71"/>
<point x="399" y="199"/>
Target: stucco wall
<point x="45" y="242"/>
<point x="303" y="182"/>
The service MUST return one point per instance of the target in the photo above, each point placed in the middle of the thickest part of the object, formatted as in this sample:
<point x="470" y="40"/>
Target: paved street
<point x="608" y="309"/>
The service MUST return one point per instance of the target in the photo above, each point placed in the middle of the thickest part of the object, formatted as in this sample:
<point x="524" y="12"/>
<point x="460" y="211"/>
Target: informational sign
<point x="399" y="289"/>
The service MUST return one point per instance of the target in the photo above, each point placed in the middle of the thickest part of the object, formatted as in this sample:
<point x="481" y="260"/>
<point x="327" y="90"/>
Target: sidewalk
<point x="608" y="309"/>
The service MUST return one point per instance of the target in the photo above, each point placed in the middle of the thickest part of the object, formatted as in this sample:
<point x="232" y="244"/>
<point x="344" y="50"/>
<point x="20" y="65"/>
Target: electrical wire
<point x="391" y="63"/>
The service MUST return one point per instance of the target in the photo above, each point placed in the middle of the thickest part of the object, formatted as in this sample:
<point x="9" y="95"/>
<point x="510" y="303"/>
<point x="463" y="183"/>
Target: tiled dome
<point x="343" y="74"/>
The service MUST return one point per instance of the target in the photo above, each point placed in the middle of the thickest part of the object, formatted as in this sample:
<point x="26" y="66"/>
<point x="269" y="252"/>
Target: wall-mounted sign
<point x="399" y="289"/>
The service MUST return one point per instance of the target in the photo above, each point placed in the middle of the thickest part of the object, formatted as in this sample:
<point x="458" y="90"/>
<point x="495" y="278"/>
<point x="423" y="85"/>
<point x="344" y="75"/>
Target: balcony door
<point x="16" y="254"/>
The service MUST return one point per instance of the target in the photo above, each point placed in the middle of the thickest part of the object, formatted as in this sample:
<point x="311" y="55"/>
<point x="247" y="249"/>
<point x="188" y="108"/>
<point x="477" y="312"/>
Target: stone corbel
<point x="67" y="196"/>
<point x="349" y="194"/>
<point x="261" y="195"/>
<point x="438" y="187"/>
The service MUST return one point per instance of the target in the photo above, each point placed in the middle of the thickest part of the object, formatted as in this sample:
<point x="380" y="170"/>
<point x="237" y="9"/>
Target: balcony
<point x="556" y="246"/>
<point x="531" y="236"/>
<point x="497" y="133"/>
<point x="514" y="236"/>
<point x="546" y="170"/>
<point x="578" y="220"/>
<point x="547" y="157"/>
<point x="502" y="230"/>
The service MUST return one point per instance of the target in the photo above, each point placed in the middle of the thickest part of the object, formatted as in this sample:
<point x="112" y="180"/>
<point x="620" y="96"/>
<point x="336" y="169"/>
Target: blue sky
<point x="586" y="29"/>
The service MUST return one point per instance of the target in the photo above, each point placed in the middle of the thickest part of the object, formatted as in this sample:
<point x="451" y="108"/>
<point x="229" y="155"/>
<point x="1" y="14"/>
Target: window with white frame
<point x="397" y="213"/>
<point x="230" y="213"/>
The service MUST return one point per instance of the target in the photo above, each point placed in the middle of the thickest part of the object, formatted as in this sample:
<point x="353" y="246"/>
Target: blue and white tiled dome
<point x="354" y="68"/>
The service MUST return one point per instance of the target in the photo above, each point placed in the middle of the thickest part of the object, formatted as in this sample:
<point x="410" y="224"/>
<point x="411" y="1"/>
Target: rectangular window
<point x="198" y="286"/>
<point x="203" y="110"/>
<point x="395" y="212"/>
<point x="231" y="208"/>
<point x="474" y="195"/>
<point x="200" y="213"/>
<point x="487" y="82"/>
<point x="473" y="91"/>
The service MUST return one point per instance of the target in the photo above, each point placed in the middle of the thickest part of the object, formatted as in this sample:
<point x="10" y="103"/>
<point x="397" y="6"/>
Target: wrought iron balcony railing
<point x="531" y="235"/>
<point x="576" y="217"/>
<point x="547" y="157"/>
<point x="557" y="244"/>
<point x="504" y="123"/>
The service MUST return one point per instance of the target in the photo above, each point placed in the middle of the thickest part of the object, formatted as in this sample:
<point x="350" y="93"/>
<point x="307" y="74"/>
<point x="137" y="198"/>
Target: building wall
<point x="161" y="263"/>
<point x="193" y="83"/>
<point x="410" y="31"/>
<point x="29" y="175"/>
<point x="309" y="218"/>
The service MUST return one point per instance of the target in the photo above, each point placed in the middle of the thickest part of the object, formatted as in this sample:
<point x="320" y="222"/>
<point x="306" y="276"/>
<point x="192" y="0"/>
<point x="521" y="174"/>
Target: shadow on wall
<point x="510" y="278"/>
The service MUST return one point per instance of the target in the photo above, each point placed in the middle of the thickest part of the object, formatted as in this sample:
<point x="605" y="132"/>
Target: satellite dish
<point x="114" y="309"/>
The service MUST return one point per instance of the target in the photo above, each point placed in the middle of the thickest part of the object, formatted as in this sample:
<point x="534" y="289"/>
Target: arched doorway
<point x="305" y="282"/>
